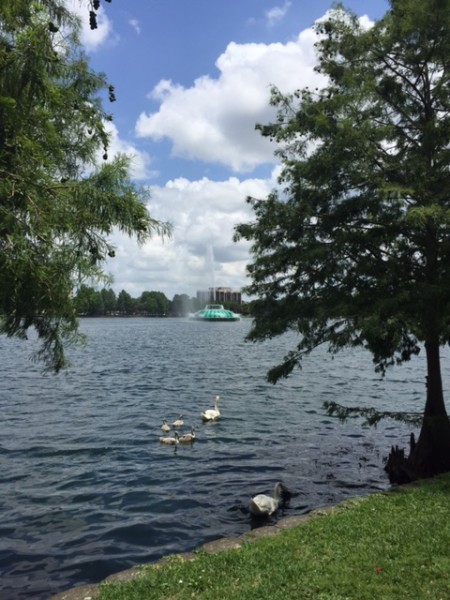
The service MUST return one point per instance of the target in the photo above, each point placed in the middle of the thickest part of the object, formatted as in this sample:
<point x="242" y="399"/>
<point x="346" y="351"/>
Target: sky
<point x="192" y="78"/>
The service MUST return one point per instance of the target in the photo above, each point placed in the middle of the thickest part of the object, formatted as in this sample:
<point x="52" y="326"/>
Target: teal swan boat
<point x="215" y="312"/>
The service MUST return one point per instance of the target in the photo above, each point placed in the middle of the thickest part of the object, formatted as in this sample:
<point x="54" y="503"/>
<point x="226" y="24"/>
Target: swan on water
<point x="164" y="426"/>
<point x="172" y="441"/>
<point x="188" y="437"/>
<point x="212" y="414"/>
<point x="262" y="505"/>
<point x="179" y="422"/>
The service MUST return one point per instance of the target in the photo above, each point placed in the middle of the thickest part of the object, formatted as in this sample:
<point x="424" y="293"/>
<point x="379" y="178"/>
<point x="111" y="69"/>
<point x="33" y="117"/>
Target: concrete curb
<point x="92" y="591"/>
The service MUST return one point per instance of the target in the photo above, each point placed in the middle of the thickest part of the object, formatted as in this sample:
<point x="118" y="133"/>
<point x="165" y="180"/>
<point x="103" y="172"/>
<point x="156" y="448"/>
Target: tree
<point x="154" y="303"/>
<point x="147" y="303"/>
<point x="84" y="299"/>
<point x="354" y="249"/>
<point x="96" y="305"/>
<point x="125" y="303"/>
<point x="109" y="300"/>
<point x="57" y="205"/>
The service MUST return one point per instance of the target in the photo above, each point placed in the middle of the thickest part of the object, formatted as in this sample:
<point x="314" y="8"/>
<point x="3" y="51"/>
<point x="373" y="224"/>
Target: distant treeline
<point x="99" y="303"/>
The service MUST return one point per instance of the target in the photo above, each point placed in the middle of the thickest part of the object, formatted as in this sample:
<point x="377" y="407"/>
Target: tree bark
<point x="431" y="454"/>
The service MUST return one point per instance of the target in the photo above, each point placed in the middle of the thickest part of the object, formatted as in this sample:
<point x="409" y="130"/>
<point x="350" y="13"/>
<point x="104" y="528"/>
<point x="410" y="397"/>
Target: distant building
<point x="218" y="294"/>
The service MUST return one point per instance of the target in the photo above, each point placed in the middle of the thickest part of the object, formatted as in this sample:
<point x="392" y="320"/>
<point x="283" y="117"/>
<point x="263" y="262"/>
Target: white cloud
<point x="200" y="252"/>
<point x="214" y="119"/>
<point x="135" y="25"/>
<point x="140" y="160"/>
<point x="277" y="13"/>
<point x="92" y="39"/>
<point x="366" y="23"/>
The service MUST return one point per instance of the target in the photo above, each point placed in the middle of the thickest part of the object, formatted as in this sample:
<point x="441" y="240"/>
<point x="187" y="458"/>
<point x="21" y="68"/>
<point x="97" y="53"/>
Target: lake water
<point x="86" y="489"/>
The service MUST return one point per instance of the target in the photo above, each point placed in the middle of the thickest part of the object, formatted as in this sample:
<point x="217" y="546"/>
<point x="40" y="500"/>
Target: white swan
<point x="179" y="422"/>
<point x="262" y="505"/>
<point x="172" y="441"/>
<point x="212" y="414"/>
<point x="164" y="426"/>
<point x="188" y="437"/>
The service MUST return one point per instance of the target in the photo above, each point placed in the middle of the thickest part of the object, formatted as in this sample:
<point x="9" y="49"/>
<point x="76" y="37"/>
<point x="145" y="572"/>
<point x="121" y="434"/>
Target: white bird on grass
<point x="262" y="505"/>
<point x="172" y="441"/>
<point x="188" y="437"/>
<point x="164" y="426"/>
<point x="212" y="414"/>
<point x="179" y="422"/>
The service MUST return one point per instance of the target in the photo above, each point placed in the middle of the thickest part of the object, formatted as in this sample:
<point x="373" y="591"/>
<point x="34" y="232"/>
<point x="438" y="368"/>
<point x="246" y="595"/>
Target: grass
<point x="389" y="546"/>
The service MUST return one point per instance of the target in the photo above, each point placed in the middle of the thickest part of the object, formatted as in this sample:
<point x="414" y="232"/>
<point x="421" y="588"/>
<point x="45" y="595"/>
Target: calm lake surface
<point x="86" y="489"/>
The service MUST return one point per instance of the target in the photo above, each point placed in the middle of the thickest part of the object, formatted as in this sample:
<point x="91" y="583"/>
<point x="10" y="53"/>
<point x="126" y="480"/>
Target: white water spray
<point x="210" y="267"/>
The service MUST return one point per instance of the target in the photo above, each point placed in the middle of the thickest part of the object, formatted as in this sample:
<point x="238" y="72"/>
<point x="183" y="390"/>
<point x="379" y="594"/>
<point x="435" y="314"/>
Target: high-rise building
<point x="218" y="294"/>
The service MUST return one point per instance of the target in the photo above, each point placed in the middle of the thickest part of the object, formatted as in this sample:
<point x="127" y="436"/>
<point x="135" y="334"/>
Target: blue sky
<point x="192" y="77"/>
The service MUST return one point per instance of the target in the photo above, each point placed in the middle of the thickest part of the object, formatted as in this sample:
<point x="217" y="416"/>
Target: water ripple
<point x="86" y="487"/>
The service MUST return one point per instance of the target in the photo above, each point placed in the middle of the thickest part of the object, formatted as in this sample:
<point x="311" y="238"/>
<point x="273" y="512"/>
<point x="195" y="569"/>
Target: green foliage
<point x="354" y="248"/>
<point x="371" y="416"/>
<point x="94" y="303"/>
<point x="125" y="303"/>
<point x="57" y="204"/>
<point x="153" y="303"/>
<point x="91" y="302"/>
<point x="109" y="300"/>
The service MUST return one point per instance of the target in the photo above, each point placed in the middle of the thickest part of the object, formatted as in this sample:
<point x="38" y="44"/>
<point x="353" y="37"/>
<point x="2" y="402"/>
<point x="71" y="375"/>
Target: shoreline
<point x="92" y="591"/>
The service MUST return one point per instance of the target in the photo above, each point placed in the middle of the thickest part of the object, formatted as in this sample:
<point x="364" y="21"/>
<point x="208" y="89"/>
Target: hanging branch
<point x="372" y="416"/>
<point x="94" y="6"/>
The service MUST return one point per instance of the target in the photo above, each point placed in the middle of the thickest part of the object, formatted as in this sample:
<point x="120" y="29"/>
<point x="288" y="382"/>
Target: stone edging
<point x="92" y="591"/>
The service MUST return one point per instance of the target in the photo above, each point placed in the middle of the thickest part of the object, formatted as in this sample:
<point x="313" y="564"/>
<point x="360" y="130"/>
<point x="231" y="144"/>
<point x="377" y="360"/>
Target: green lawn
<point x="389" y="546"/>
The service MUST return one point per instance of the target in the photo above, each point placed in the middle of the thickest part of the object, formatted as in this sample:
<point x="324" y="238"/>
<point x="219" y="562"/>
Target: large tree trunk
<point x="431" y="454"/>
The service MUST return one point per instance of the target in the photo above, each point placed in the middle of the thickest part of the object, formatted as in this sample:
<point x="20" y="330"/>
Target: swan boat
<point x="215" y="312"/>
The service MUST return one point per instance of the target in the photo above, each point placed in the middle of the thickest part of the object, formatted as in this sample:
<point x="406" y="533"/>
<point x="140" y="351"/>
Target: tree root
<point x="399" y="467"/>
